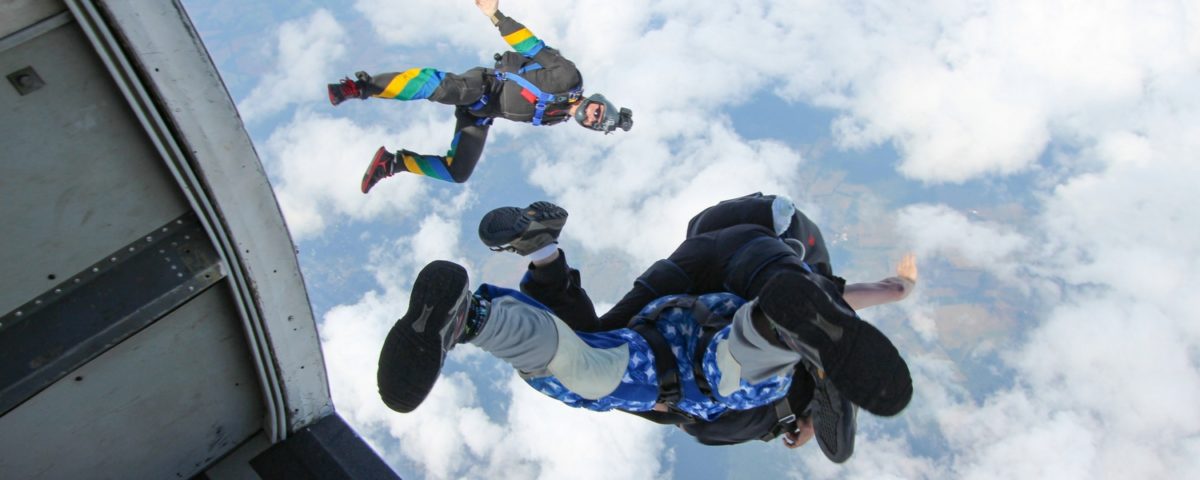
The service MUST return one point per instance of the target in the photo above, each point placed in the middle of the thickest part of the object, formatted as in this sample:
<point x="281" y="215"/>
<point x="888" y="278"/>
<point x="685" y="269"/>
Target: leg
<point x="594" y="373"/>
<point x="808" y="315"/>
<point x="470" y="135"/>
<point x="754" y="353"/>
<point x="430" y="84"/>
<point x="415" y="84"/>
<point x="514" y="328"/>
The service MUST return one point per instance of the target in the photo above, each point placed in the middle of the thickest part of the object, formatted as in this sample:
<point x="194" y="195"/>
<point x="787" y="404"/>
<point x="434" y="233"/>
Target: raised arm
<point x="521" y="39"/>
<point x="891" y="289"/>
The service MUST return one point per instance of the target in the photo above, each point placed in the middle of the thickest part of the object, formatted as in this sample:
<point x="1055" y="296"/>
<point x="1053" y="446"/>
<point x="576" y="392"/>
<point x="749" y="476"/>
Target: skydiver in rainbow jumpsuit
<point x="534" y="83"/>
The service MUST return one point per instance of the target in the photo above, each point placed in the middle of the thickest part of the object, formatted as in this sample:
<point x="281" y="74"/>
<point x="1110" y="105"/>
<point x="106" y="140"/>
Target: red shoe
<point x="381" y="167"/>
<point x="346" y="88"/>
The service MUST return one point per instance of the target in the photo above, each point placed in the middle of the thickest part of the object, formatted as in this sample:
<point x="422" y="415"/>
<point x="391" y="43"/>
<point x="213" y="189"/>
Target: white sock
<point x="543" y="253"/>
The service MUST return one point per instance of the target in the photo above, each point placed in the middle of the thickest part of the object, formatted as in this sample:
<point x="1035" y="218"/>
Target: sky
<point x="1039" y="156"/>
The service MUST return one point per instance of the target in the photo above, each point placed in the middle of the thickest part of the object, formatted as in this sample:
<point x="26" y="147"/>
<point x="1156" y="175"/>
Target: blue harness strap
<point x="539" y="107"/>
<point x="529" y="68"/>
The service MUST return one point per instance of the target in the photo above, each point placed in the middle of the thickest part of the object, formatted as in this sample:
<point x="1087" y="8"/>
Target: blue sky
<point x="1040" y="157"/>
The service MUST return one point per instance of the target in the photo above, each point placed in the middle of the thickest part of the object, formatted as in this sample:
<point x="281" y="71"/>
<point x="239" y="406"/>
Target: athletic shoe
<point x="345" y="88"/>
<point x="834" y="418"/>
<point x="812" y="319"/>
<point x="383" y="165"/>
<point x="416" y="347"/>
<point x="522" y="230"/>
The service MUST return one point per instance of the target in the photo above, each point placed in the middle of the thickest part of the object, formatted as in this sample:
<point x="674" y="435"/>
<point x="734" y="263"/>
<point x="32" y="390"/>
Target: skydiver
<point x="795" y="315"/>
<point x="534" y="84"/>
<point x="533" y="232"/>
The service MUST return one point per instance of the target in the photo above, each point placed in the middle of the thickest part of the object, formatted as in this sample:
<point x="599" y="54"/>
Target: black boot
<point x="439" y="310"/>
<point x="812" y="319"/>
<point x="834" y="418"/>
<point x="522" y="230"/>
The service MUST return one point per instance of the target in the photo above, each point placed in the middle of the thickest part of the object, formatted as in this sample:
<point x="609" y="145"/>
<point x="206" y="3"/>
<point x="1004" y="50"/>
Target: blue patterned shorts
<point x="638" y="390"/>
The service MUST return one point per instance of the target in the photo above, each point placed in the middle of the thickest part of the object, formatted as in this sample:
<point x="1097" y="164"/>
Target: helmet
<point x="612" y="119"/>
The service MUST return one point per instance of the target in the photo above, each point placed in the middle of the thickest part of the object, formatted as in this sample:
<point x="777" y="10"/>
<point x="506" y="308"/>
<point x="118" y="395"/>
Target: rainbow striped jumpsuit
<point x="506" y="100"/>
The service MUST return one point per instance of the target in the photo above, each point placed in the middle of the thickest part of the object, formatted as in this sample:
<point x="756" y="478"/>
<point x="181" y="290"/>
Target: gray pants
<point x="537" y="343"/>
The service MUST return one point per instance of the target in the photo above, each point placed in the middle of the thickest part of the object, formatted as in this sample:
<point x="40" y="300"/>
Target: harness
<point x="536" y="96"/>
<point x="669" y="387"/>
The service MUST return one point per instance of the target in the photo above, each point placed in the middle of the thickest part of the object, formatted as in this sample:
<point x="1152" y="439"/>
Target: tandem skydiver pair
<point x="742" y="333"/>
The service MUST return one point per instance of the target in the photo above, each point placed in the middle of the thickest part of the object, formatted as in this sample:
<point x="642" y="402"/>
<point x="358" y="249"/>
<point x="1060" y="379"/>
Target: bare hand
<point x="802" y="434"/>
<point x="907" y="268"/>
<point x="488" y="7"/>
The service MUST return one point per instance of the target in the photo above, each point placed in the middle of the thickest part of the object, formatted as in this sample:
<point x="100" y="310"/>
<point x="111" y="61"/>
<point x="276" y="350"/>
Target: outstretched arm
<point x="518" y="37"/>
<point x="557" y="74"/>
<point x="891" y="289"/>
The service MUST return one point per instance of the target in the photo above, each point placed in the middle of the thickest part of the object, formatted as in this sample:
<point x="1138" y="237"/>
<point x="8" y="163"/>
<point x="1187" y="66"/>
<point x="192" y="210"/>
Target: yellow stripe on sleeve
<point x="518" y="36"/>
<point x="399" y="82"/>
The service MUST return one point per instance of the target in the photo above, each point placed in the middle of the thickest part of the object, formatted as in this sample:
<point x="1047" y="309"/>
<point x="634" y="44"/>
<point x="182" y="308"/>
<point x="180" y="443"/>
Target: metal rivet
<point x="172" y="267"/>
<point x="113" y="259"/>
<point x="95" y="269"/>
<point x="179" y="222"/>
<point x="179" y="275"/>
<point x="191" y="288"/>
<point x="131" y="249"/>
<point x="187" y="237"/>
<point x="19" y="313"/>
<point x="26" y="80"/>
<point x="37" y="302"/>
<point x="164" y="229"/>
<point x="149" y="238"/>
<point x="58" y="290"/>
<point x="161" y="251"/>
<point x="76" y="280"/>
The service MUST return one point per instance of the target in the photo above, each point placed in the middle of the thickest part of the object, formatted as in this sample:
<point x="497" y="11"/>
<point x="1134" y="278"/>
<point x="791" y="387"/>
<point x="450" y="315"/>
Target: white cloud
<point x="306" y="49"/>
<point x="318" y="162"/>
<point x="422" y="23"/>
<point x="937" y="230"/>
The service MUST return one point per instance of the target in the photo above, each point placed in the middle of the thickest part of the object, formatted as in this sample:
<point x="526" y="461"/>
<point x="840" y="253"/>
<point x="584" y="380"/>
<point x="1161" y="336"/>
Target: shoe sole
<point x="515" y="223"/>
<point x="412" y="353"/>
<point x="376" y="162"/>
<point x="834" y="421"/>
<point x="860" y="360"/>
<point x="333" y="96"/>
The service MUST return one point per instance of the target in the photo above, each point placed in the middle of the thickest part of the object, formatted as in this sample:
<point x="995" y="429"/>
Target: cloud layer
<point x="1085" y="113"/>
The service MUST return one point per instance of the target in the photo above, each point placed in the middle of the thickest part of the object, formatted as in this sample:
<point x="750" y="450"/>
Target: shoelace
<point x="350" y="88"/>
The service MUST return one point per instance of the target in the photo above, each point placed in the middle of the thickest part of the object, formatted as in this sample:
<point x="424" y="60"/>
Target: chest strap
<point x="540" y="98"/>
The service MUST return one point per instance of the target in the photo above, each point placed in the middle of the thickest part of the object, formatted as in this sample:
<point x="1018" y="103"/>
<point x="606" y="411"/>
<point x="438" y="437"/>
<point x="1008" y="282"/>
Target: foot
<point x="383" y="165"/>
<point x="416" y="347"/>
<point x="522" y="230"/>
<point x="344" y="89"/>
<point x="811" y="318"/>
<point x="834" y="419"/>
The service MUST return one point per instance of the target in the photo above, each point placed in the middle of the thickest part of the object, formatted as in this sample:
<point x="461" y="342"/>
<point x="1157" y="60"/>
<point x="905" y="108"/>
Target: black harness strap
<point x="664" y="363"/>
<point x="786" y="422"/>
